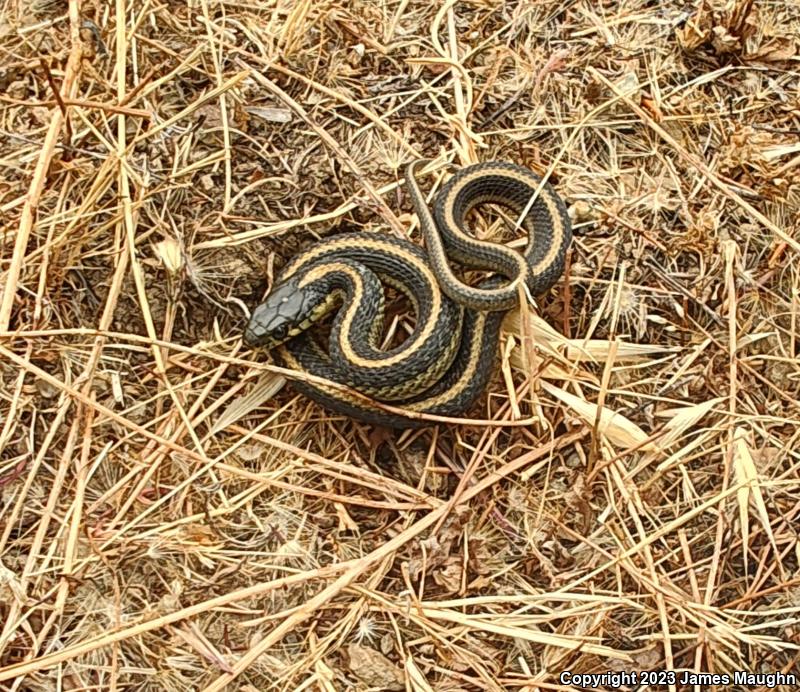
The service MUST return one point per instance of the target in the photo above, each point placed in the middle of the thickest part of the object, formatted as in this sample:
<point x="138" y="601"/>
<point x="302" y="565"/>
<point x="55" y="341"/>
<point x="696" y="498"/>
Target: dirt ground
<point x="173" y="516"/>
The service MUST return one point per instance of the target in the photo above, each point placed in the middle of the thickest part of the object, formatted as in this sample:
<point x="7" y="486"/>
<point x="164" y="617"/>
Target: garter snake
<point x="446" y="362"/>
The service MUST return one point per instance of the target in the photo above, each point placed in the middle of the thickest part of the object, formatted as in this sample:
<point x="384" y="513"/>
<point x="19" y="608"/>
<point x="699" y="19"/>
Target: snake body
<point x="447" y="360"/>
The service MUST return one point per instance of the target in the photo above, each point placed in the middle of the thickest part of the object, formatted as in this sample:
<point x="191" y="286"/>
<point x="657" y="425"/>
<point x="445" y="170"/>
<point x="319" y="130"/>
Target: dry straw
<point x="625" y="497"/>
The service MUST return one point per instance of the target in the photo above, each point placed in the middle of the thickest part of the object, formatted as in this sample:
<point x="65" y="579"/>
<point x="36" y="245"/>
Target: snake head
<point x="282" y="315"/>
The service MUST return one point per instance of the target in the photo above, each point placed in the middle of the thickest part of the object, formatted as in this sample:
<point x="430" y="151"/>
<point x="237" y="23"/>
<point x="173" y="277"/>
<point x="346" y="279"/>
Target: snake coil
<point x="447" y="360"/>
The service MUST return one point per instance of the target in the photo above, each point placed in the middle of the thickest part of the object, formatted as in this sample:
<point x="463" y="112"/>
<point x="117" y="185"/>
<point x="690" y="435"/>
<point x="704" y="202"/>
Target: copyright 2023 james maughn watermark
<point x="623" y="679"/>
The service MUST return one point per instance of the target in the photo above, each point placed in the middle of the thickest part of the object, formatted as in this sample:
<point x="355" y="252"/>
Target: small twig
<point x="39" y="178"/>
<point x="386" y="212"/>
<point x="81" y="103"/>
<point x="696" y="162"/>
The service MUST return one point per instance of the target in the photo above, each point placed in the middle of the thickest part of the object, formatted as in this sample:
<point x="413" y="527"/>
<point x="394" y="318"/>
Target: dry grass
<point x="173" y="518"/>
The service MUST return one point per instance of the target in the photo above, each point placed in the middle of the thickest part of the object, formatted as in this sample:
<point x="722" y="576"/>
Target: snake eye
<point x="280" y="331"/>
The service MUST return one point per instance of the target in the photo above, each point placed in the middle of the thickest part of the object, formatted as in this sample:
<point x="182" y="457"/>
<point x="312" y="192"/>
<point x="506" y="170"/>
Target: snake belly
<point x="444" y="365"/>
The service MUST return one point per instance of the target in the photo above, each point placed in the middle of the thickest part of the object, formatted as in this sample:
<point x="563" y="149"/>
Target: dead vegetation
<point x="172" y="518"/>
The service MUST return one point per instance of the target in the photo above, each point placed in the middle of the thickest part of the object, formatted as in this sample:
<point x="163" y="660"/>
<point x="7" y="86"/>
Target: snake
<point x="447" y="360"/>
